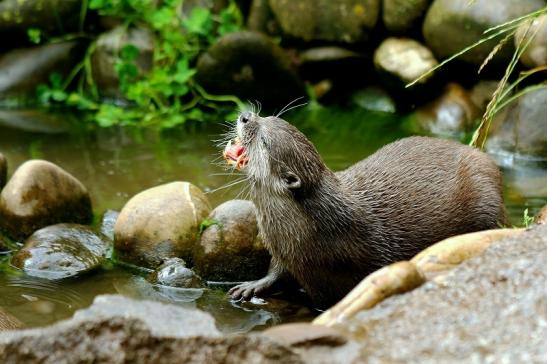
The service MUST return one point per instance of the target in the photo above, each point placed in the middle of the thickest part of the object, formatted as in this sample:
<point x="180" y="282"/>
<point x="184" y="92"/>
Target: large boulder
<point x="3" y="171"/>
<point x="229" y="248"/>
<point x="250" y="66"/>
<point x="159" y="223"/>
<point x="62" y="251"/>
<point x="535" y="55"/>
<point x="22" y="70"/>
<point x="347" y="21"/>
<point x="107" y="54"/>
<point x="521" y="128"/>
<point x="400" y="16"/>
<point x="40" y="194"/>
<point x="452" y="25"/>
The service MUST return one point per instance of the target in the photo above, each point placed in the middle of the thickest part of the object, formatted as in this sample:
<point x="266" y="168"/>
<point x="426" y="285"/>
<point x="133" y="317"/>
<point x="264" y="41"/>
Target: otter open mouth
<point x="235" y="154"/>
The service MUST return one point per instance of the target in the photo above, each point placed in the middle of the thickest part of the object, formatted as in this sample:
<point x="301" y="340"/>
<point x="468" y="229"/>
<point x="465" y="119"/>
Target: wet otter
<point x="329" y="230"/>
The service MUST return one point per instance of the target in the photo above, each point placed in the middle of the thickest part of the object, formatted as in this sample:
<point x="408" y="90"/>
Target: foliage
<point x="206" y="223"/>
<point x="504" y="93"/>
<point x="168" y="94"/>
<point x="526" y="219"/>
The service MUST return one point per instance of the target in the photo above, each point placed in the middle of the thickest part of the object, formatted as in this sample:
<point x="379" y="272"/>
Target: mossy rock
<point x="400" y="16"/>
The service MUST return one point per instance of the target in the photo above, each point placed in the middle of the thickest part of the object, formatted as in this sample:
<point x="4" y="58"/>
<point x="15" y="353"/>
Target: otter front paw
<point x="247" y="290"/>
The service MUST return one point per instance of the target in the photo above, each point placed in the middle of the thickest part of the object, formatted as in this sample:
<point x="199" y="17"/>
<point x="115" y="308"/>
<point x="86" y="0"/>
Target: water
<point x="115" y="164"/>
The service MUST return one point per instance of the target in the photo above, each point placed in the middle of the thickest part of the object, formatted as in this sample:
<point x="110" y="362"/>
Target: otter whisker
<point x="292" y="108"/>
<point x="228" y="185"/>
<point x="286" y="106"/>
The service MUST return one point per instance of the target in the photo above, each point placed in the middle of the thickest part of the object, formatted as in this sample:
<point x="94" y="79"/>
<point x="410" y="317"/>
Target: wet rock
<point x="36" y="121"/>
<point x="107" y="54"/>
<point x="452" y="115"/>
<point x="40" y="194"/>
<point x="521" y="128"/>
<point x="301" y="334"/>
<point x="400" y="16"/>
<point x="119" y="330"/>
<point x="250" y="66"/>
<point x="50" y="16"/>
<point x="403" y="60"/>
<point x="491" y="308"/>
<point x="535" y="55"/>
<point x="22" y="70"/>
<point x="229" y="248"/>
<point x="3" y="171"/>
<point x="174" y="273"/>
<point x="108" y="221"/>
<point x="9" y="322"/>
<point x="345" y="21"/>
<point x="452" y="25"/>
<point x="374" y="99"/>
<point x="159" y="223"/>
<point x="61" y="251"/>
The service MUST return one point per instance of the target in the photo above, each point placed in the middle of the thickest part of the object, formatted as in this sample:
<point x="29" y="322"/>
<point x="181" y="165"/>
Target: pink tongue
<point x="234" y="151"/>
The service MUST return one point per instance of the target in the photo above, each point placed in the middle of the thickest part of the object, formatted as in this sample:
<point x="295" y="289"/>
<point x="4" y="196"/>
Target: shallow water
<point x="115" y="164"/>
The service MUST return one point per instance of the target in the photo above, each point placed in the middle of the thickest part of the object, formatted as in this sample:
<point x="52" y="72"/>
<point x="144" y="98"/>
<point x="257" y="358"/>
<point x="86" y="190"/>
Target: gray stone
<point x="39" y="194"/>
<point x="374" y="99"/>
<point x="120" y="330"/>
<point x="174" y="273"/>
<point x="250" y="66"/>
<point x="452" y="25"/>
<point x="535" y="55"/>
<point x="62" y="251"/>
<point x="161" y="222"/>
<point x="521" y="128"/>
<point x="400" y="16"/>
<point x="22" y="70"/>
<point x="345" y="21"/>
<point x="490" y="309"/>
<point x="229" y="249"/>
<point x="404" y="60"/>
<point x="106" y="56"/>
<point x="3" y="171"/>
<point x="108" y="221"/>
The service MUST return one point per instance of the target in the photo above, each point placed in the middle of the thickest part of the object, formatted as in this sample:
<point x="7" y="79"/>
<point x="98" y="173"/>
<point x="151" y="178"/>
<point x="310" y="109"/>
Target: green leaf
<point x="129" y="52"/>
<point x="34" y="35"/>
<point x="200" y="21"/>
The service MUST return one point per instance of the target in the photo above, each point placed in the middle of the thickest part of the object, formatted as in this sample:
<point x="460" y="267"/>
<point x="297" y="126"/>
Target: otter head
<point x="274" y="154"/>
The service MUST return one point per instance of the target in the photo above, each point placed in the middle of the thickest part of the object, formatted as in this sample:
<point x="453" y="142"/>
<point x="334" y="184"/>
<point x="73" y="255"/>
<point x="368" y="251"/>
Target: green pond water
<point x="115" y="164"/>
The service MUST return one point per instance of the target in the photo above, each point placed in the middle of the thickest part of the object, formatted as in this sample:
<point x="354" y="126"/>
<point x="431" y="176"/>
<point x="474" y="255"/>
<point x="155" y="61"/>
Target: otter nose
<point x="245" y="117"/>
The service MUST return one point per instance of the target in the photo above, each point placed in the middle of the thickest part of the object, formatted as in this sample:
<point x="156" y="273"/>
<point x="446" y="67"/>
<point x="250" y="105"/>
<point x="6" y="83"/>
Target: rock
<point x="489" y="309"/>
<point x="482" y="92"/>
<point x="159" y="223"/>
<point x="261" y="18"/>
<point x="108" y="221"/>
<point x="229" y="249"/>
<point x="37" y="121"/>
<point x="521" y="128"/>
<point x="374" y="99"/>
<point x="214" y="5"/>
<point x="174" y="273"/>
<point x="107" y="54"/>
<point x="22" y="70"/>
<point x="452" y="25"/>
<point x="250" y="66"/>
<point x="50" y="16"/>
<point x="452" y="115"/>
<point x="3" y="171"/>
<point x="61" y="251"/>
<point x="347" y="21"/>
<point x="9" y="322"/>
<point x="120" y="330"/>
<point x="300" y="334"/>
<point x="535" y="55"/>
<point x="403" y="60"/>
<point x="40" y="194"/>
<point x="401" y="16"/>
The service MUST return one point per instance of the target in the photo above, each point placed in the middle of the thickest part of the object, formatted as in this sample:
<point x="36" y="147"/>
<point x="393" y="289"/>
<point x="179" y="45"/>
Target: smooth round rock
<point x="174" y="273"/>
<point x="404" y="59"/>
<point x="3" y="171"/>
<point x="159" y="223"/>
<point x="400" y="16"/>
<point x="250" y="66"/>
<point x="61" y="251"/>
<point x="39" y="194"/>
<point x="535" y="55"/>
<point x="347" y="21"/>
<point x="229" y="248"/>
<point x="452" y="25"/>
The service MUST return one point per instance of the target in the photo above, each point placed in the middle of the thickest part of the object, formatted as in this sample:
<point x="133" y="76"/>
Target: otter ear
<point x="292" y="181"/>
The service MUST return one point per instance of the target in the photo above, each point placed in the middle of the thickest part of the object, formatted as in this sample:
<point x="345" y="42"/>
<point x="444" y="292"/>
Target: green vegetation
<point x="527" y="220"/>
<point x="507" y="91"/>
<point x="165" y="96"/>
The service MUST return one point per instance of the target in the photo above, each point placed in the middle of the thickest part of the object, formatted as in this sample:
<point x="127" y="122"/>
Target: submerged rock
<point x="535" y="55"/>
<point x="9" y="322"/>
<point x="400" y="16"/>
<point x="161" y="222"/>
<point x="3" y="171"/>
<point x="374" y="98"/>
<point x="251" y="66"/>
<point x="521" y="128"/>
<point x="108" y="221"/>
<point x="61" y="251"/>
<point x="229" y="248"/>
<point x="347" y="21"/>
<point x="40" y="194"/>
<point x="452" y="25"/>
<point x="174" y="273"/>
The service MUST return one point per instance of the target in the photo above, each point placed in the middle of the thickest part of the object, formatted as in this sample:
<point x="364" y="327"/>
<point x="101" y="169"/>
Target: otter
<point x="328" y="230"/>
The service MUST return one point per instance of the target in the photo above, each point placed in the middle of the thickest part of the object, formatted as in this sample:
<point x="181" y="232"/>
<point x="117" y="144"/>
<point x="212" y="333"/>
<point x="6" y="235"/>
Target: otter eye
<point x="245" y="117"/>
<point x="292" y="181"/>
